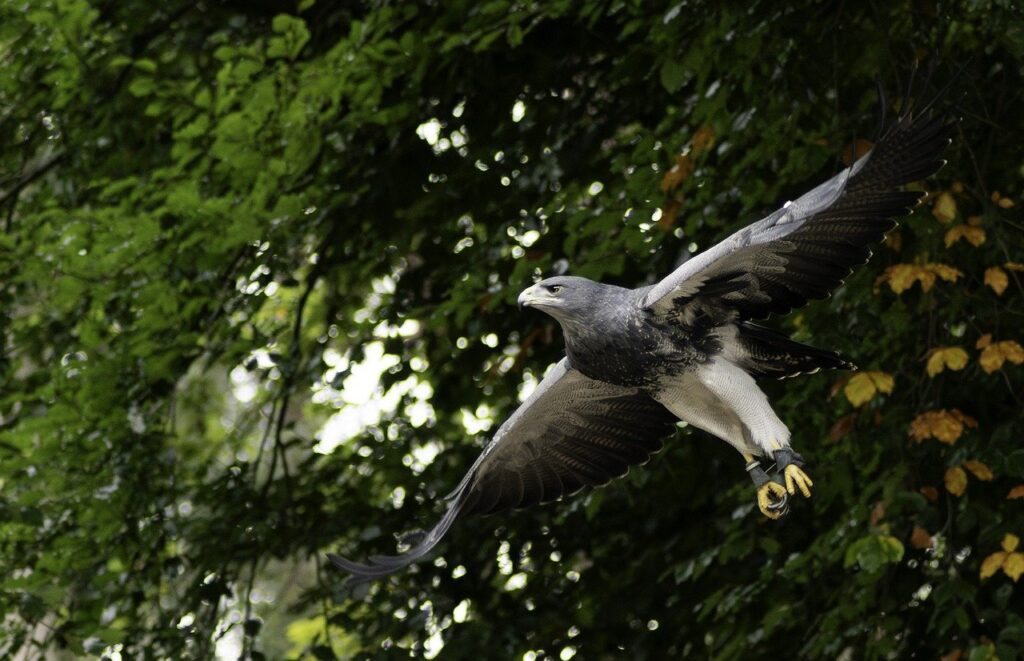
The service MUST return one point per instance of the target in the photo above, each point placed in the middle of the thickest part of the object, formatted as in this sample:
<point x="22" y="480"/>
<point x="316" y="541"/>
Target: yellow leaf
<point x="944" y="208"/>
<point x="991" y="358"/>
<point x="944" y="271"/>
<point x="995" y="354"/>
<point x="992" y="564"/>
<point x="983" y="341"/>
<point x="1005" y="203"/>
<point x="1016" y="492"/>
<point x="1013" y="351"/>
<point x="956" y="481"/>
<point x="901" y="277"/>
<point x="859" y="389"/>
<point x="979" y="470"/>
<point x="1014" y="565"/>
<point x="703" y="139"/>
<point x="997" y="279"/>
<point x="1010" y="542"/>
<point x="931" y="493"/>
<point x="926" y="278"/>
<point x="920" y="538"/>
<point x="669" y="213"/>
<point x="942" y="425"/>
<point x="974" y="235"/>
<point x="963" y="418"/>
<point x="954" y="358"/>
<point x="974" y="221"/>
<point x="1014" y="266"/>
<point x="883" y="382"/>
<point x="894" y="241"/>
<point x="862" y="386"/>
<point x="682" y="169"/>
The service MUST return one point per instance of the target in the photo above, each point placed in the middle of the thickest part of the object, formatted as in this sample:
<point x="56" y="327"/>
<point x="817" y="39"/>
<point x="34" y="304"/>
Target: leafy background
<point x="223" y="219"/>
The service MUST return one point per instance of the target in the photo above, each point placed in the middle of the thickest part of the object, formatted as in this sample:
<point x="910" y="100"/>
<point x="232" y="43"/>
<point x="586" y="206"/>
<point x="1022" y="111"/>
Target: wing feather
<point x="570" y="433"/>
<point x="808" y="247"/>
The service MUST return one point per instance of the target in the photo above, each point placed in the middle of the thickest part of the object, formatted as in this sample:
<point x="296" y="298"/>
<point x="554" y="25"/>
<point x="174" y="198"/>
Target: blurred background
<point x="258" y="273"/>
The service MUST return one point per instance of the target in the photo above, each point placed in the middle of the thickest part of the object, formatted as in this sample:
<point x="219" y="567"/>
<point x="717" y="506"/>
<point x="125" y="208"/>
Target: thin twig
<point x="31" y="175"/>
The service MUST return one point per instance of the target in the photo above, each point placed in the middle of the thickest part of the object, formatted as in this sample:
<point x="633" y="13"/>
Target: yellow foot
<point x="797" y="479"/>
<point x="771" y="499"/>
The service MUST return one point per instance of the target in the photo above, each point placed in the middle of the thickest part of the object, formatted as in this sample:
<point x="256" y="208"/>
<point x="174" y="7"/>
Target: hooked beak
<point x="530" y="297"/>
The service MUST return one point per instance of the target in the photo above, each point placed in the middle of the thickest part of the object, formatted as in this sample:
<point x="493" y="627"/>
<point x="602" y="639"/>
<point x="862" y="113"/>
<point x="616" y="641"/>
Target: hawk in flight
<point x="640" y="360"/>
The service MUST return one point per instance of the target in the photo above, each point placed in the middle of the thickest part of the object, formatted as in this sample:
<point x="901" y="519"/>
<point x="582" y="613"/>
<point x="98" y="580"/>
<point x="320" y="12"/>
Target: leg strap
<point x="757" y="474"/>
<point x="787" y="456"/>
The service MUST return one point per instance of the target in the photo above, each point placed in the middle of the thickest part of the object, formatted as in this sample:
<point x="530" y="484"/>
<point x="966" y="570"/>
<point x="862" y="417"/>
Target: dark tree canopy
<point x="223" y="219"/>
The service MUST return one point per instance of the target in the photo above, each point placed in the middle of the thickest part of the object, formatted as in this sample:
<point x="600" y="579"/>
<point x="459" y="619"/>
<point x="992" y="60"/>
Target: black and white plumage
<point x="686" y="348"/>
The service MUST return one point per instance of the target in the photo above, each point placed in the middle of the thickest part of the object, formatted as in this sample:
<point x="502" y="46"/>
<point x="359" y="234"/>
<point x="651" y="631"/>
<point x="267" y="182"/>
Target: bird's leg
<point x="771" y="496"/>
<point x="791" y="466"/>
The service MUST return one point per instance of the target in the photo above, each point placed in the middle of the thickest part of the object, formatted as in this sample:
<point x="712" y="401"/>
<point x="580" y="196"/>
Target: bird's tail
<point x="770" y="354"/>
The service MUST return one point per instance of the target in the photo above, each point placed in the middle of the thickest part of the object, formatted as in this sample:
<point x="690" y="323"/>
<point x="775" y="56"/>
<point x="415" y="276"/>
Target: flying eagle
<point x="640" y="360"/>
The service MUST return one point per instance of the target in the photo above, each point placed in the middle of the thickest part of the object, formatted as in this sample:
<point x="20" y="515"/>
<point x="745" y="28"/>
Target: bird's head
<point x="563" y="297"/>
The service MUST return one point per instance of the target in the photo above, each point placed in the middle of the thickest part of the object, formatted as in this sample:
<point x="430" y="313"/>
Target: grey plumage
<point x="570" y="433"/>
<point x="685" y="348"/>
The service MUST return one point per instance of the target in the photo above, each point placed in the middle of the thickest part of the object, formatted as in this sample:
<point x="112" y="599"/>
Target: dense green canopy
<point x="223" y="219"/>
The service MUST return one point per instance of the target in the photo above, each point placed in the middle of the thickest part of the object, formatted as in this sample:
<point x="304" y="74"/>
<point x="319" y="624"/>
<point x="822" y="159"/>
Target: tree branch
<point x="30" y="174"/>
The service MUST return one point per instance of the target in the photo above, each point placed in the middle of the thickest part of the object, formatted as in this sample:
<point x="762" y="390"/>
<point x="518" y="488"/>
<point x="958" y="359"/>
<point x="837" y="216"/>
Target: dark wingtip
<point x="380" y="566"/>
<point x="347" y="565"/>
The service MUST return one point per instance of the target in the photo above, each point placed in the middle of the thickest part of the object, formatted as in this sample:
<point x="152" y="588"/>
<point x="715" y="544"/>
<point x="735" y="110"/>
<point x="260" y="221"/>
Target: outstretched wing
<point x="571" y="432"/>
<point x="805" y="249"/>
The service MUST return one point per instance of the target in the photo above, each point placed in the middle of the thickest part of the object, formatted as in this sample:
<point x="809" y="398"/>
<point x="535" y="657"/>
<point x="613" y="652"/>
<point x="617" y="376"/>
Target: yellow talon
<point x="771" y="494"/>
<point x="797" y="479"/>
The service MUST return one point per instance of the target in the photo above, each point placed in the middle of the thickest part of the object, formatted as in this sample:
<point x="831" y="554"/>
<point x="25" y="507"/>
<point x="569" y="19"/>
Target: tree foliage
<point x="217" y="216"/>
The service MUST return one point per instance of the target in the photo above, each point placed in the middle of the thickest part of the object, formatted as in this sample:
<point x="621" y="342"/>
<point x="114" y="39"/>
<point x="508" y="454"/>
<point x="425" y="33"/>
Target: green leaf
<point x="873" y="552"/>
<point x="141" y="86"/>
<point x="673" y="75"/>
<point x="294" y="35"/>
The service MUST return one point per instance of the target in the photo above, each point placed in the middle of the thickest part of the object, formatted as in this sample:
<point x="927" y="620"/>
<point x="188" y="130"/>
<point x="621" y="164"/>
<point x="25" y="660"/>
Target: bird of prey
<point x="687" y="348"/>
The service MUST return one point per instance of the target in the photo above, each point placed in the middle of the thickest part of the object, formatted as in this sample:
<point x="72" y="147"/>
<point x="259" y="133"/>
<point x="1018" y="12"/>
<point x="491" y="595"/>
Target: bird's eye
<point x="554" y="288"/>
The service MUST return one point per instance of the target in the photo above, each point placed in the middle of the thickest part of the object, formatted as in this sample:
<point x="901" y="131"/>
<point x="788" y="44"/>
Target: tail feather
<point x="770" y="354"/>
